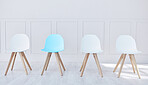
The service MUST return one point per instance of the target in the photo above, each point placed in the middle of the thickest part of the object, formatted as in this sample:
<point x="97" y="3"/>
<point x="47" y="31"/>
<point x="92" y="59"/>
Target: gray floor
<point x="72" y="75"/>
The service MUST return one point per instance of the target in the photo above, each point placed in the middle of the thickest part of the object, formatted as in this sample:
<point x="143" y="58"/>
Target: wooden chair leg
<point x="9" y="63"/>
<point x="134" y="60"/>
<point x="124" y="56"/>
<point x="98" y="65"/>
<point x="49" y="56"/>
<point x="44" y="65"/>
<point x="61" y="61"/>
<point x="23" y="63"/>
<point x="13" y="61"/>
<point x="84" y="64"/>
<point x="23" y="54"/>
<point x="121" y="57"/>
<point x="58" y="61"/>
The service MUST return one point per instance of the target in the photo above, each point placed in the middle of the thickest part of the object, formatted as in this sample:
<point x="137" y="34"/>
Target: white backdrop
<point x="73" y="19"/>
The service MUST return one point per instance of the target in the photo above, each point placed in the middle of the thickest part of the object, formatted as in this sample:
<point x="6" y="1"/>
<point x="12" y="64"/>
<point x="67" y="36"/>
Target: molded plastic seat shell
<point x="126" y="44"/>
<point x="91" y="44"/>
<point x="54" y="43"/>
<point x="19" y="43"/>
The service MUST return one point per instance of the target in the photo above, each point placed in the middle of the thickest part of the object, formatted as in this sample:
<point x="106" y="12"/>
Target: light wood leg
<point x="49" y="56"/>
<point x="61" y="61"/>
<point x="84" y="64"/>
<point x="58" y="61"/>
<point x="44" y="65"/>
<point x="9" y="63"/>
<point x="23" y="63"/>
<point x="124" y="56"/>
<point x="98" y="65"/>
<point x="134" y="60"/>
<point x="118" y="62"/>
<point x="13" y="61"/>
<point x="23" y="54"/>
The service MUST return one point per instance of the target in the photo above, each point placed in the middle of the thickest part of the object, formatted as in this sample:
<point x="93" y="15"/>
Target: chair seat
<point x="88" y="51"/>
<point x="51" y="50"/>
<point x="131" y="52"/>
<point x="16" y="50"/>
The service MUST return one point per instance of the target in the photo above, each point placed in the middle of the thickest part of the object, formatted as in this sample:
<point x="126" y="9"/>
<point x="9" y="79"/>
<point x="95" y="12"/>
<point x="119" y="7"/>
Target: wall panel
<point x="95" y="28"/>
<point x="72" y="31"/>
<point x="68" y="29"/>
<point x="12" y="28"/>
<point x="0" y="37"/>
<point x="40" y="30"/>
<point x="116" y="29"/>
<point x="142" y="36"/>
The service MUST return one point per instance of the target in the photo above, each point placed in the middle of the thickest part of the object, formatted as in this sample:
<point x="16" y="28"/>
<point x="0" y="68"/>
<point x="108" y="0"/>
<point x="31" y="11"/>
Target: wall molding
<point x="70" y="21"/>
<point x="6" y="31"/>
<point x="83" y="29"/>
<point x="121" y="31"/>
<point x="0" y="37"/>
<point x="145" y="22"/>
<point x="31" y="41"/>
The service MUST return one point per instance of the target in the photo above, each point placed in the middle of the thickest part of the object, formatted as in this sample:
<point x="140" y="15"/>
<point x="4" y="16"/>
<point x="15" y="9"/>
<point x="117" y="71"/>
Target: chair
<point x="19" y="43"/>
<point x="54" y="44"/>
<point x="126" y="45"/>
<point x="90" y="44"/>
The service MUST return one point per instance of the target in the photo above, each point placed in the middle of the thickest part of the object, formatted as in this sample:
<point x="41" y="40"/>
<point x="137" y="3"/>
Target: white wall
<point x="73" y="19"/>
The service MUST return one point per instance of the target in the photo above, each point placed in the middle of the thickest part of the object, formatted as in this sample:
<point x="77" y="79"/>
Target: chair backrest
<point x="54" y="42"/>
<point x="91" y="44"/>
<point x="125" y="43"/>
<point x="19" y="42"/>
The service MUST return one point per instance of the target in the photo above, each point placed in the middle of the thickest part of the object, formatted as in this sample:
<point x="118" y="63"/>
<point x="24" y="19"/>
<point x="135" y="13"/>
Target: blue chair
<point x="54" y="44"/>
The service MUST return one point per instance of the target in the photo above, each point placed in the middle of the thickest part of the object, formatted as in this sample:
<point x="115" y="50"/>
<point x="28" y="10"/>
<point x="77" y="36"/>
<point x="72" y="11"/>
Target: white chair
<point x="126" y="45"/>
<point x="19" y="43"/>
<point x="90" y="44"/>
